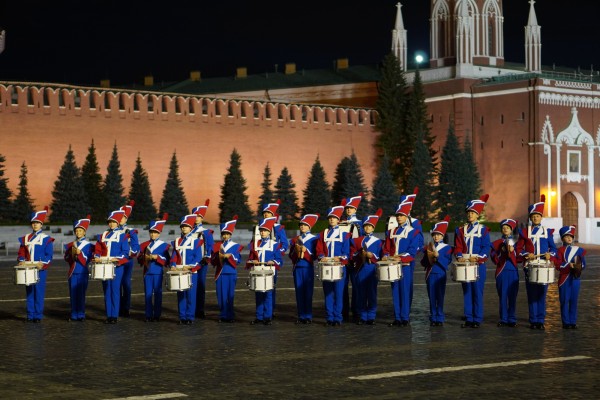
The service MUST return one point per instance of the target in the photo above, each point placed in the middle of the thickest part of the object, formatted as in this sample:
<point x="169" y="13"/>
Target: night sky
<point x="83" y="42"/>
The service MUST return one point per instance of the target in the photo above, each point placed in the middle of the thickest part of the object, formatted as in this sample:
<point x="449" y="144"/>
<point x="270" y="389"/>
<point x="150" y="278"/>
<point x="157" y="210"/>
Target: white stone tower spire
<point x="399" y="42"/>
<point x="2" y="40"/>
<point x="533" y="42"/>
<point x="464" y="40"/>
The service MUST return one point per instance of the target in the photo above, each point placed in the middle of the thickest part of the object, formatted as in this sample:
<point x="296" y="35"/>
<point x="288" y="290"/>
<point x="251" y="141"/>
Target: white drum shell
<point x="261" y="281"/>
<point x="389" y="271"/>
<point x="541" y="272"/>
<point x="179" y="280"/>
<point x="330" y="271"/>
<point x="102" y="271"/>
<point x="464" y="271"/>
<point x="26" y="275"/>
<point x="262" y="267"/>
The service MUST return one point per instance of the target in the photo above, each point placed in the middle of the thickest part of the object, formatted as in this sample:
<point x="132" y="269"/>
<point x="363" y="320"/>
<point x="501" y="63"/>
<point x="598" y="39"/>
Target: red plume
<point x="165" y="216"/>
<point x="416" y="190"/>
<point x="207" y="202"/>
<point x="447" y="218"/>
<point x="379" y="212"/>
<point x="361" y="194"/>
<point x="235" y="217"/>
<point x="132" y="203"/>
<point x="88" y="216"/>
<point x="344" y="201"/>
<point x="278" y="201"/>
<point x="46" y="208"/>
<point x="543" y="198"/>
<point x="484" y="198"/>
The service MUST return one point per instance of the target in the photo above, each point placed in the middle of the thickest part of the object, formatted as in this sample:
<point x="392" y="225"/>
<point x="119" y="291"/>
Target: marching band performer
<point x="134" y="249"/>
<point x="187" y="254"/>
<point x="225" y="258"/>
<point x="542" y="241"/>
<point x="303" y="255"/>
<point x="352" y="224"/>
<point x="504" y="255"/>
<point x="437" y="258"/>
<point x="366" y="252"/>
<point x="416" y="224"/>
<point x="36" y="247"/>
<point x="113" y="243"/>
<point x="209" y="242"/>
<point x="265" y="251"/>
<point x="401" y="244"/>
<point x="78" y="254"/>
<point x="570" y="261"/>
<point x="472" y="243"/>
<point x="334" y="244"/>
<point x="278" y="233"/>
<point x="153" y="257"/>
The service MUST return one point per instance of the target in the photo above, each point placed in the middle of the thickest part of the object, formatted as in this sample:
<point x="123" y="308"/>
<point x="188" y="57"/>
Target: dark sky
<point x="86" y="41"/>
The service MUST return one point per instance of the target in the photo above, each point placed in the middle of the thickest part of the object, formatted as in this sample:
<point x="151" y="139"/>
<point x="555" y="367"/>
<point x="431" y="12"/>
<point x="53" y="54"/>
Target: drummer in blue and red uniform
<point x="472" y="243"/>
<point x="266" y="250"/>
<point x="36" y="247"/>
<point x="113" y="243"/>
<point x="154" y="257"/>
<point x="437" y="258"/>
<point x="334" y="244"/>
<point x="401" y="244"/>
<point x="366" y="251"/>
<point x="303" y="253"/>
<point x="134" y="248"/>
<point x="570" y="261"/>
<point x="504" y="255"/>
<point x="209" y="242"/>
<point x="78" y="254"/>
<point x="225" y="258"/>
<point x="270" y="210"/>
<point x="542" y="244"/>
<point x="350" y="217"/>
<point x="187" y="254"/>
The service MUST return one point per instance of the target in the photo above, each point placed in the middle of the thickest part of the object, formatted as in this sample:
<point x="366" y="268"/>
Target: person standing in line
<point x="154" y="257"/>
<point x="351" y="224"/>
<point x="78" y="255"/>
<point x="209" y="242"/>
<point x="36" y="247"/>
<point x="303" y="255"/>
<point x="134" y="249"/>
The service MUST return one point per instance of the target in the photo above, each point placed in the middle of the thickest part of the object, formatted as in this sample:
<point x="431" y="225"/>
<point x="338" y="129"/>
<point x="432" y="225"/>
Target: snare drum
<point x="102" y="270"/>
<point x="389" y="271"/>
<point x="330" y="271"/>
<point x="541" y="271"/>
<point x="26" y="274"/>
<point x="261" y="281"/>
<point x="179" y="280"/>
<point x="464" y="271"/>
<point x="262" y="267"/>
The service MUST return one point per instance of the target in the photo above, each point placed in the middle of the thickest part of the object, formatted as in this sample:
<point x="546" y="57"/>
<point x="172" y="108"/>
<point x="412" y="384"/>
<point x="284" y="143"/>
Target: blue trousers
<point x="401" y="291"/>
<point x="365" y="286"/>
<point x="334" y="298"/>
<point x="112" y="293"/>
<point x="304" y="283"/>
<point x="201" y="291"/>
<point x="436" y="291"/>
<point x="473" y="296"/>
<point x="78" y="284"/>
<point x="568" y="294"/>
<point x="273" y="293"/>
<point x="35" y="295"/>
<point x="264" y="305"/>
<point x="153" y="291"/>
<point x="536" y="300"/>
<point x="186" y="301"/>
<point x="507" y="285"/>
<point x="225" y="295"/>
<point x="125" y="304"/>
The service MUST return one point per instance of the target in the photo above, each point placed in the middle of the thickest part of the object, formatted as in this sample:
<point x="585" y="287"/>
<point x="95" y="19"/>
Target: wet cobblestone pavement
<point x="73" y="360"/>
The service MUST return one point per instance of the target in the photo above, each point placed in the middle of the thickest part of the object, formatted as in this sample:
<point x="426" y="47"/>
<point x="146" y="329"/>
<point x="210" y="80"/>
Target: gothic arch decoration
<point x="547" y="131"/>
<point x="492" y="27"/>
<point x="441" y="30"/>
<point x="574" y="134"/>
<point x="598" y="137"/>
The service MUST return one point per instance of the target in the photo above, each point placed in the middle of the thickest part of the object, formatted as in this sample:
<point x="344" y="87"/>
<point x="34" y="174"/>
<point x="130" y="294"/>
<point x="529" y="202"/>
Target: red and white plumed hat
<point x="39" y="216"/>
<point x="477" y="205"/>
<point x="442" y="226"/>
<point x="159" y="224"/>
<point x="267" y="223"/>
<point x="510" y="222"/>
<point x="410" y="197"/>
<point x="116" y="216"/>
<point x="83" y="223"/>
<point x="538" y="208"/>
<point x="188" y="220"/>
<point x="373" y="219"/>
<point x="404" y="208"/>
<point x="229" y="226"/>
<point x="567" y="230"/>
<point x="128" y="208"/>
<point x="272" y="207"/>
<point x="201" y="210"/>
<point x="353" y="202"/>
<point x="309" y="219"/>
<point x="336" y="211"/>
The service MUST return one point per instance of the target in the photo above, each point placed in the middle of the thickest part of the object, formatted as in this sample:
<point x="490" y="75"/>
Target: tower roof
<point x="532" y="17"/>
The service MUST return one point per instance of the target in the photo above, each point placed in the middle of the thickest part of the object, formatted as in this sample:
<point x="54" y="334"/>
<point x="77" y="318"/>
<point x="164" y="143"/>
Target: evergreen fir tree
<point x="140" y="192"/>
<point x="317" y="194"/>
<point x="23" y="204"/>
<point x="422" y="176"/>
<point x="92" y="182"/>
<point x="451" y="178"/>
<point x="349" y="182"/>
<point x="69" y="200"/>
<point x="173" y="198"/>
<point x="385" y="195"/>
<point x="5" y="194"/>
<point x="284" y="191"/>
<point x="471" y="187"/>
<point x="234" y="199"/>
<point x="113" y="184"/>
<point x="266" y="196"/>
<point x="338" y="189"/>
<point x="391" y="108"/>
<point x="417" y="118"/>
